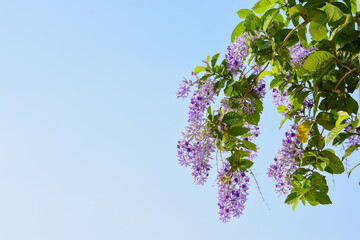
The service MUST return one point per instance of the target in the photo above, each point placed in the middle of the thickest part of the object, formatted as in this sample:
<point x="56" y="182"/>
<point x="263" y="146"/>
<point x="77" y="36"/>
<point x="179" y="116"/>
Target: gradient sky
<point x="89" y="122"/>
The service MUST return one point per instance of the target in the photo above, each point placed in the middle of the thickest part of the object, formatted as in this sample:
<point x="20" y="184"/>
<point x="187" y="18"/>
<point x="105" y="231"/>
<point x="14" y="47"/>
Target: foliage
<point x="312" y="81"/>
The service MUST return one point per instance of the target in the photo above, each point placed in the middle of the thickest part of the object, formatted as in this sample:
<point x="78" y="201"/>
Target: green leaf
<point x="342" y="7"/>
<point x="283" y="121"/>
<point x="251" y="23"/>
<point x="302" y="36"/>
<point x="335" y="132"/>
<point x="341" y="138"/>
<point x="249" y="145"/>
<point x="214" y="59"/>
<point x="253" y="118"/>
<point x="326" y="120"/>
<point x="245" y="164"/>
<point x="315" y="4"/>
<point x="297" y="100"/>
<point x="353" y="169"/>
<point x="238" y="131"/>
<point x="317" y="29"/>
<point x="317" y="60"/>
<point x="296" y="201"/>
<point x="232" y="118"/>
<point x="335" y="166"/>
<point x="311" y="198"/>
<point x="297" y="10"/>
<point x="353" y="6"/>
<point x="198" y="69"/>
<point x="261" y="6"/>
<point x="322" y="198"/>
<point x="268" y="17"/>
<point x="342" y="116"/>
<point x="356" y="123"/>
<point x="276" y="81"/>
<point x="333" y="13"/>
<point x="243" y="13"/>
<point x="350" y="150"/>
<point x="238" y="31"/>
<point x="282" y="108"/>
<point x="265" y="45"/>
<point x="318" y="181"/>
<point x="291" y="198"/>
<point x="264" y="73"/>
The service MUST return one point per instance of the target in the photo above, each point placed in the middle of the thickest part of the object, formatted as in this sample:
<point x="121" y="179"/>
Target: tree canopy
<point x="310" y="51"/>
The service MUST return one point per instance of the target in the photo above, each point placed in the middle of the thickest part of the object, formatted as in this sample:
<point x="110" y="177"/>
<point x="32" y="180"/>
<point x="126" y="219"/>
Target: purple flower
<point x="196" y="146"/>
<point x="237" y="52"/>
<point x="232" y="192"/>
<point x="260" y="88"/>
<point x="284" y="164"/>
<point x="185" y="87"/>
<point x="299" y="54"/>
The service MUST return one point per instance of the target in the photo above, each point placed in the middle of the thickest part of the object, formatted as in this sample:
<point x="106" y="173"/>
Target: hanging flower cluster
<point x="232" y="192"/>
<point x="285" y="164"/>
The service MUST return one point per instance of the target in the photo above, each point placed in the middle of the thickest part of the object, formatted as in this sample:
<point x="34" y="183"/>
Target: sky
<point x="89" y="122"/>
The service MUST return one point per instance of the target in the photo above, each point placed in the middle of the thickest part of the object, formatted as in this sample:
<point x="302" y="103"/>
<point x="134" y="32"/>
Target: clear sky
<point x="89" y="122"/>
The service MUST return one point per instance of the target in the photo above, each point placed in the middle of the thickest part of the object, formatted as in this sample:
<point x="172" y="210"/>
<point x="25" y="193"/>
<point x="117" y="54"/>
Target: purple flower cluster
<point x="196" y="147"/>
<point x="299" y="54"/>
<point x="280" y="99"/>
<point x="225" y="104"/>
<point x="248" y="107"/>
<point x="284" y="164"/>
<point x="237" y="52"/>
<point x="260" y="88"/>
<point x="185" y="88"/>
<point x="232" y="192"/>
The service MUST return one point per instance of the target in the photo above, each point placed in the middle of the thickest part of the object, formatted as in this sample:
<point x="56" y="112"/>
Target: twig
<point x="348" y="73"/>
<point x="289" y="35"/>
<point x="258" y="187"/>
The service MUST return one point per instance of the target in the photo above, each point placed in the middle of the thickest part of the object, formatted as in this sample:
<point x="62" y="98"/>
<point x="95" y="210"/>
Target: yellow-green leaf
<point x="303" y="131"/>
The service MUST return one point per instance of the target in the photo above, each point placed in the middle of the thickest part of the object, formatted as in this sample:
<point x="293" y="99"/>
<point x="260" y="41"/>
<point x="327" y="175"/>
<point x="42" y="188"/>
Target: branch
<point x="351" y="71"/>
<point x="289" y="35"/>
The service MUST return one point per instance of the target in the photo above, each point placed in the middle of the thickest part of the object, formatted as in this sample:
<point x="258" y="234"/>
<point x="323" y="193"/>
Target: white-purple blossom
<point x="285" y="164"/>
<point x="237" y="52"/>
<point x="186" y="85"/>
<point x="299" y="54"/>
<point x="232" y="192"/>
<point x="196" y="147"/>
<point x="260" y="87"/>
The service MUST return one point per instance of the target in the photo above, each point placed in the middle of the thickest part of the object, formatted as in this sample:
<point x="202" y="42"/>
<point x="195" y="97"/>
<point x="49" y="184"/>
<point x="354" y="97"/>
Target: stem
<point x="258" y="187"/>
<point x="337" y="60"/>
<point x="289" y="35"/>
<point x="351" y="71"/>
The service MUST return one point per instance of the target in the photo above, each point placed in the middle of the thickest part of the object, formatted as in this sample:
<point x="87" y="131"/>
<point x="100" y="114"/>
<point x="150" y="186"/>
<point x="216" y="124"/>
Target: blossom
<point x="299" y="54"/>
<point x="196" y="147"/>
<point x="237" y="52"/>
<point x="284" y="164"/>
<point x="260" y="87"/>
<point x="185" y="88"/>
<point x="197" y="154"/>
<point x="232" y="192"/>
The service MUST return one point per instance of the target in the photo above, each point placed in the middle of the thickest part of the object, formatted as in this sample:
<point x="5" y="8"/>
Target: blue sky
<point x="89" y="122"/>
